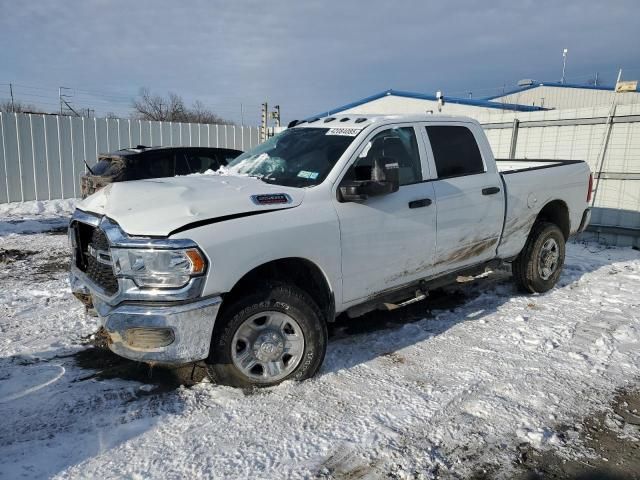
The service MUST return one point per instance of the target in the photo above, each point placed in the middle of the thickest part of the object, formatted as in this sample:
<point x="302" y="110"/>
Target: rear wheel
<point x="540" y="262"/>
<point x="267" y="337"/>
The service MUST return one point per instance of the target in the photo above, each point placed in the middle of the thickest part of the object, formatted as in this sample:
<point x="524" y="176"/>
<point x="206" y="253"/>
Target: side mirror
<point x="384" y="180"/>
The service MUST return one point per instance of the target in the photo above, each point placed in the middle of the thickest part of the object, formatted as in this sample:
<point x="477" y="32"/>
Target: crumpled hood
<point x="159" y="206"/>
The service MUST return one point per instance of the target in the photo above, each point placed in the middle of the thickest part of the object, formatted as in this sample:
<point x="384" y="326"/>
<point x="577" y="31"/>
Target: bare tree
<point x="201" y="114"/>
<point x="18" y="107"/>
<point x="172" y="108"/>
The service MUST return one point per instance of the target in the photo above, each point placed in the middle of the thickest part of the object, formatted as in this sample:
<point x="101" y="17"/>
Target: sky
<point x="307" y="56"/>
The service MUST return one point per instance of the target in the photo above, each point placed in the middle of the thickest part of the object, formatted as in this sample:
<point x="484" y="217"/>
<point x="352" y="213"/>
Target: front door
<point x="388" y="240"/>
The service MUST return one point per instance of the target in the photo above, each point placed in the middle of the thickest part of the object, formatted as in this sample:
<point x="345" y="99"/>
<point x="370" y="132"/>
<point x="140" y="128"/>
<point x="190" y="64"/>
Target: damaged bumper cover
<point x="156" y="333"/>
<point x="154" y="325"/>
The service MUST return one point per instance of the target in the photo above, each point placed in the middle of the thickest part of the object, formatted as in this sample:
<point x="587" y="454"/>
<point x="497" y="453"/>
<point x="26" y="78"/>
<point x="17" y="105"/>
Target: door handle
<point x="423" y="202"/>
<point x="490" y="190"/>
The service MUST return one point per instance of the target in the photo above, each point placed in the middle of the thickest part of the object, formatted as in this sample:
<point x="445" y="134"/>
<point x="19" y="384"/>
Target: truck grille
<point x="91" y="242"/>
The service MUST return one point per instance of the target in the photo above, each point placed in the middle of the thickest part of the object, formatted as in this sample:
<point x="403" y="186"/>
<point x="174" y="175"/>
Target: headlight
<point x="158" y="268"/>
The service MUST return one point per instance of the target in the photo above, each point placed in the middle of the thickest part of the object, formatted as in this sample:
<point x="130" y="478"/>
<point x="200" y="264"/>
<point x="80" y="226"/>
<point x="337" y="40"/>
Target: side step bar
<point x="417" y="291"/>
<point x="419" y="296"/>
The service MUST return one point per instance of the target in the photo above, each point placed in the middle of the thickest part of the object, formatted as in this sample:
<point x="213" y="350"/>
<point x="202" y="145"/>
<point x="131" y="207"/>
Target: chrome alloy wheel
<point x="549" y="257"/>
<point x="268" y="346"/>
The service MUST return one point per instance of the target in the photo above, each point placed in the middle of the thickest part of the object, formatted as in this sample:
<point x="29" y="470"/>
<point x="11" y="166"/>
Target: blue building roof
<point x="550" y="84"/>
<point x="486" y="103"/>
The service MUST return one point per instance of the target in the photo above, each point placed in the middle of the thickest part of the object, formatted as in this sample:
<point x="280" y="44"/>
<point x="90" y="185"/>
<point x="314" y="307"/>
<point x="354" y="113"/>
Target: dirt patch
<point x="346" y="465"/>
<point x="107" y="365"/>
<point x="57" y="264"/>
<point x="32" y="264"/>
<point x="11" y="255"/>
<point x="395" y="358"/>
<point x="613" y="437"/>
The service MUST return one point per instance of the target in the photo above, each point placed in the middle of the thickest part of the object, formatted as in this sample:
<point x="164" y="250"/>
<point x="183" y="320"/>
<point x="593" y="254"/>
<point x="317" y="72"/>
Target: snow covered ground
<point x="443" y="389"/>
<point x="35" y="216"/>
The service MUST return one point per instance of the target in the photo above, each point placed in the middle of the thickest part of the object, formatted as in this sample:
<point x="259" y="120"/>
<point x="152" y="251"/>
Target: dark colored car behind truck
<point x="153" y="162"/>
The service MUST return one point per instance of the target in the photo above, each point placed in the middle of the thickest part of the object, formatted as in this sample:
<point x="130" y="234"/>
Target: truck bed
<point x="520" y="165"/>
<point x="529" y="185"/>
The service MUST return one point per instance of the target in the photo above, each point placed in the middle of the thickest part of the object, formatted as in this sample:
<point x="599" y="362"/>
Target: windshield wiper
<point x="268" y="180"/>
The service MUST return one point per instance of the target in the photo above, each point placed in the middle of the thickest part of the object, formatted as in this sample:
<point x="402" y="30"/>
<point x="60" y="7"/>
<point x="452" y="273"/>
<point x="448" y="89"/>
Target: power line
<point x="121" y="104"/>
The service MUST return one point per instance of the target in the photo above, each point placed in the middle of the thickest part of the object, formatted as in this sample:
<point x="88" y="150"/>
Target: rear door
<point x="388" y="240"/>
<point x="469" y="196"/>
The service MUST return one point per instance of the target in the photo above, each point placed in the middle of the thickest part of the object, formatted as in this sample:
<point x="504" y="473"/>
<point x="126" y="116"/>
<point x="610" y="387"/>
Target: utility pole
<point x="63" y="102"/>
<point x="263" y="122"/>
<point x="241" y="115"/>
<point x="564" y="63"/>
<point x="275" y="115"/>
<point x="440" y="99"/>
<point x="13" y="105"/>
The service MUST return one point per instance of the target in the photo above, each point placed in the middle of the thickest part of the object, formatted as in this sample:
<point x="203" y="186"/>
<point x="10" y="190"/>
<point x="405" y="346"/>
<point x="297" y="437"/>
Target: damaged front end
<point x="146" y="291"/>
<point x="109" y="169"/>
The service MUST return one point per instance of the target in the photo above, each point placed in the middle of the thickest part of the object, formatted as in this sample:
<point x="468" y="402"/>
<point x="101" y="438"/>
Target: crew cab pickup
<point x="345" y="214"/>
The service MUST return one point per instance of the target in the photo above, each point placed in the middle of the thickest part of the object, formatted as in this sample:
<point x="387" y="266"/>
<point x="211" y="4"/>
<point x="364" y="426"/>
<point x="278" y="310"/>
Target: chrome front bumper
<point x="167" y="334"/>
<point x="153" y="325"/>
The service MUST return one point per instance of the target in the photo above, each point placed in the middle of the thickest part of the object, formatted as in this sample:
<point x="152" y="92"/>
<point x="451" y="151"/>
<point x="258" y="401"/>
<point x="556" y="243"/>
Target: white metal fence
<point x="42" y="156"/>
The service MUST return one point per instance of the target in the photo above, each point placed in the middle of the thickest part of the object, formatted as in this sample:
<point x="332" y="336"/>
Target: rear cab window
<point x="455" y="151"/>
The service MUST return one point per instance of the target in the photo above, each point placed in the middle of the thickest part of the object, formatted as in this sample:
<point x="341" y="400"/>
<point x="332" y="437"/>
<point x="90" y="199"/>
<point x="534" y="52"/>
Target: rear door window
<point x="194" y="162"/>
<point x="455" y="151"/>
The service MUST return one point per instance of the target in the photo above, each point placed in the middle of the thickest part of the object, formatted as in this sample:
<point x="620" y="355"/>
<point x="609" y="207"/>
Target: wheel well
<point x="556" y="212"/>
<point x="300" y="272"/>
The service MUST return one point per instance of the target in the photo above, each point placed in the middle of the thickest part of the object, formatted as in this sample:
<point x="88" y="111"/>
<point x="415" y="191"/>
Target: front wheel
<point x="269" y="336"/>
<point x="539" y="264"/>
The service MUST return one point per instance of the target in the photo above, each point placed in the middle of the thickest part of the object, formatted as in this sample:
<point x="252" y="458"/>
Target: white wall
<point x="565" y="97"/>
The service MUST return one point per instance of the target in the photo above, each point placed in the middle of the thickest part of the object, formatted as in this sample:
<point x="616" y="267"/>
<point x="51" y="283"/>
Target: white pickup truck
<point x="244" y="268"/>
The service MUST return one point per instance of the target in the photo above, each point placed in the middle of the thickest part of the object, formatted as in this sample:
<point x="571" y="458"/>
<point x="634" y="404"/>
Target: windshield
<point x="298" y="157"/>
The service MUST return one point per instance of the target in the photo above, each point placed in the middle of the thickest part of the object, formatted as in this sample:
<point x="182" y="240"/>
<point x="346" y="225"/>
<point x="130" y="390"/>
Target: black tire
<point x="277" y="297"/>
<point x="526" y="267"/>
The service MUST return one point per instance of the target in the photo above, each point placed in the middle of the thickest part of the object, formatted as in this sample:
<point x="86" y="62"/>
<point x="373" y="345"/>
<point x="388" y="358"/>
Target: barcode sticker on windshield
<point x="346" y="132"/>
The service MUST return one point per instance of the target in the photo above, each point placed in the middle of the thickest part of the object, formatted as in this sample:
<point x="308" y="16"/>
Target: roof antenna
<point x="88" y="167"/>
